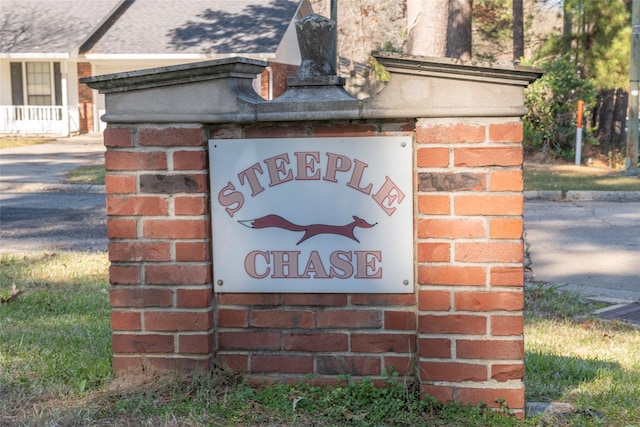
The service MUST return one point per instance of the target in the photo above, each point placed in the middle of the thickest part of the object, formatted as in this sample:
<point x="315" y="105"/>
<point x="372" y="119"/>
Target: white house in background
<point x="47" y="45"/>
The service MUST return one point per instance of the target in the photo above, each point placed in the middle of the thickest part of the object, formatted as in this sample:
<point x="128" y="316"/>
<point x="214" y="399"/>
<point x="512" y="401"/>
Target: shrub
<point x="549" y="126"/>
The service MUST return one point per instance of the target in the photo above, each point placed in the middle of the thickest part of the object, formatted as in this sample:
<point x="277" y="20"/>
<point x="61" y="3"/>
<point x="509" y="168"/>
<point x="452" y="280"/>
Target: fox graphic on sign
<point x="277" y="221"/>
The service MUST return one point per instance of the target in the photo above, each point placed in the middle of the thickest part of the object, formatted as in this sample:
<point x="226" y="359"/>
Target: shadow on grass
<point x="53" y="270"/>
<point x="549" y="376"/>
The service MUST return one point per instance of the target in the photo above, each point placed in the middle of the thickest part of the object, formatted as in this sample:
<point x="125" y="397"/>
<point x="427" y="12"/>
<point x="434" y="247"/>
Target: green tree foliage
<point x="611" y="66"/>
<point x="598" y="41"/>
<point x="492" y="21"/>
<point x="552" y="100"/>
<point x="594" y="49"/>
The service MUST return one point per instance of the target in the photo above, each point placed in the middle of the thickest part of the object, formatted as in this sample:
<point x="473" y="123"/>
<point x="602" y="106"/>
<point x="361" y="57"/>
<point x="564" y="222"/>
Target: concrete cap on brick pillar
<point x="209" y="91"/>
<point x="423" y="86"/>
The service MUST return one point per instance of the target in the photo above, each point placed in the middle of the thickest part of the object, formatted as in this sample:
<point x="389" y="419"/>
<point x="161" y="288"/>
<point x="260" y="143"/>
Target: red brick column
<point x="159" y="231"/>
<point x="470" y="260"/>
<point x="85" y="99"/>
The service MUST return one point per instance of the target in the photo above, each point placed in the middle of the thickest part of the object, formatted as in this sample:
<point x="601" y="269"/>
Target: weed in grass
<point x="217" y="401"/>
<point x="548" y="301"/>
<point x="223" y="398"/>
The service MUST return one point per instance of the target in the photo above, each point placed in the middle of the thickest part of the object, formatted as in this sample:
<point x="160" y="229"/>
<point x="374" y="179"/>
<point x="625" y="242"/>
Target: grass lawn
<point x="86" y="175"/>
<point x="55" y="366"/>
<point x="11" y="142"/>
<point x="572" y="356"/>
<point x="564" y="177"/>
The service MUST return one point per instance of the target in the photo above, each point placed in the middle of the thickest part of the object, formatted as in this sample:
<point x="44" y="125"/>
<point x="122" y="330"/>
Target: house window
<point x="37" y="83"/>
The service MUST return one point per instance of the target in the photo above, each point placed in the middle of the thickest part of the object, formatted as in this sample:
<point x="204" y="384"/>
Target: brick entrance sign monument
<point x="317" y="233"/>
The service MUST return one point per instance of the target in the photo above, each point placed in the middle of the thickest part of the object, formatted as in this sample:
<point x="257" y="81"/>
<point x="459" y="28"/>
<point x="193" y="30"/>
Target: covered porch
<point x="39" y="119"/>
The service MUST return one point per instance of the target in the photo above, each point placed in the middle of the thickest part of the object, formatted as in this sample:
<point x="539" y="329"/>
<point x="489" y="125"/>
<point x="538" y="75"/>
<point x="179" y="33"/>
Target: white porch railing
<point x="25" y="119"/>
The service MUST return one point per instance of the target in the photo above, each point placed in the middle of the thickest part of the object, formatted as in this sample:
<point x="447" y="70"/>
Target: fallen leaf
<point x="588" y="324"/>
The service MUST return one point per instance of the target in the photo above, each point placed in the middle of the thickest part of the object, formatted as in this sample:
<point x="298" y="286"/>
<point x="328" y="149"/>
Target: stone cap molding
<point x="221" y="91"/>
<point x="498" y="72"/>
<point x="234" y="67"/>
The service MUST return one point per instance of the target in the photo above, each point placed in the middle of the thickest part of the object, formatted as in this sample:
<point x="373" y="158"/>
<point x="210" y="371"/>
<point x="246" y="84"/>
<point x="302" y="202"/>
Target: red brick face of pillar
<point x="470" y="260"/>
<point x="159" y="232"/>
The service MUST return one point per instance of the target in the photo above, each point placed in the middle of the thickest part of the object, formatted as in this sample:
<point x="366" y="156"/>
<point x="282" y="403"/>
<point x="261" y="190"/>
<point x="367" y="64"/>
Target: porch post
<point x="65" y="98"/>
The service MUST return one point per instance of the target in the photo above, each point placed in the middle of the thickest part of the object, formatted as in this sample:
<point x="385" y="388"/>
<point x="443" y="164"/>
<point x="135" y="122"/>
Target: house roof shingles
<point x="144" y="27"/>
<point x="152" y="27"/>
<point x="50" y="27"/>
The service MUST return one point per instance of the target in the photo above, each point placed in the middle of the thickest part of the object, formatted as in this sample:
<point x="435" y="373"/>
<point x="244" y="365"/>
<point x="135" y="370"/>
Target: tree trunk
<point x="567" y="27"/>
<point x="518" y="30"/>
<point x="427" y="22"/>
<point x="620" y="118"/>
<point x="459" y="29"/>
<point x="605" y="117"/>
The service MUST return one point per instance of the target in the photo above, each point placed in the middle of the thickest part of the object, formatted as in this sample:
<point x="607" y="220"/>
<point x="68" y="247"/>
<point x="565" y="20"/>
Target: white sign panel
<point x="312" y="215"/>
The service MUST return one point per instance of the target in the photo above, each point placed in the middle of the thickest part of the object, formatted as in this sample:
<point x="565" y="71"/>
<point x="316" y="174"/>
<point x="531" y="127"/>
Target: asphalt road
<point x="44" y="166"/>
<point x="38" y="211"/>
<point x="31" y="221"/>
<point x="592" y="246"/>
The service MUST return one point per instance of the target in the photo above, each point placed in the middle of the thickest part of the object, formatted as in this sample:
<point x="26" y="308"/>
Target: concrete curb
<point x="583" y="196"/>
<point x="35" y="187"/>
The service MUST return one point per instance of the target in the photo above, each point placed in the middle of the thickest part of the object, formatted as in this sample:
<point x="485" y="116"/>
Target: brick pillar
<point x="470" y="260"/>
<point x="85" y="99"/>
<point x="159" y="231"/>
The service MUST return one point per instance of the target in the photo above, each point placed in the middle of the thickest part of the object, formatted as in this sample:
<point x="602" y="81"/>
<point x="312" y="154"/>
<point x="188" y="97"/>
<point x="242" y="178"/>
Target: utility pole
<point x="631" y="164"/>
<point x="334" y="18"/>
<point x="518" y="30"/>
